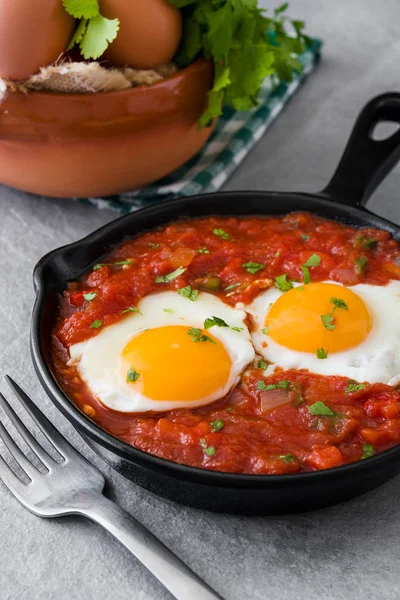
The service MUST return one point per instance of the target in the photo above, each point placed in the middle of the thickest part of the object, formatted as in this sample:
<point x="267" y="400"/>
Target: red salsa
<point x="302" y="421"/>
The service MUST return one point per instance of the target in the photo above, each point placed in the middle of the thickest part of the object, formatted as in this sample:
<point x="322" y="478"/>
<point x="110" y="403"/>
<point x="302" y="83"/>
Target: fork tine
<point x="51" y="433"/>
<point x="17" y="453"/>
<point x="40" y="452"/>
<point x="10" y="479"/>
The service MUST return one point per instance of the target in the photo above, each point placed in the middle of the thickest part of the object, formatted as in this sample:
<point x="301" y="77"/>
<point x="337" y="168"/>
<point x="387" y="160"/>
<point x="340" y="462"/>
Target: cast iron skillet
<point x="364" y="164"/>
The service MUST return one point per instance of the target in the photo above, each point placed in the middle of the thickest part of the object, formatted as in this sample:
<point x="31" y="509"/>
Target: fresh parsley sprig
<point x="245" y="45"/>
<point x="94" y="32"/>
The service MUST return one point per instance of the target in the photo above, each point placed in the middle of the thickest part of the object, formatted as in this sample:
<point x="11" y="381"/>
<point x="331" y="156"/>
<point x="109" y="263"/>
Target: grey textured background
<point x="347" y="552"/>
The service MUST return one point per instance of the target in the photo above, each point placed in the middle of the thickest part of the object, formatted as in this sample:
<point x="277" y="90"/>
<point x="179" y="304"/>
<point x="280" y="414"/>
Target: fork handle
<point x="161" y="562"/>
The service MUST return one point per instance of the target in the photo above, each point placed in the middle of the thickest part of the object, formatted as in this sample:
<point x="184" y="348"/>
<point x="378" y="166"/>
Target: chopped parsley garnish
<point x="168" y="310"/>
<point x="277" y="254"/>
<point x="197" y="336"/>
<point x="320" y="409"/>
<point x="132" y="309"/>
<point x="208" y="450"/>
<point x="122" y="263"/>
<point x="214" y="322"/>
<point x="282" y="385"/>
<point x="305" y="237"/>
<point x="262" y="364"/>
<point x="90" y="296"/>
<point x="224" y="235"/>
<point x="127" y="261"/>
<point x="96" y="324"/>
<point x="287" y="458"/>
<point x="353" y="386"/>
<point x="170" y="276"/>
<point x="253" y="267"/>
<point x="368" y="451"/>
<point x="216" y="425"/>
<point x="265" y="330"/>
<point x="132" y="375"/>
<point x="152" y="245"/>
<point x="188" y="292"/>
<point x="321" y="353"/>
<point x="229" y="409"/>
<point x="282" y="283"/>
<point x="361" y="264"/>
<point x="313" y="261"/>
<point x="328" y="320"/>
<point x="339" y="303"/>
<point x="231" y="287"/>
<point x="203" y="251"/>
<point x="365" y="242"/>
<point x="237" y="328"/>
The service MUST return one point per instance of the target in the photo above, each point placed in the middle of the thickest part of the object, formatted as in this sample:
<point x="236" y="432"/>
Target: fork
<point x="73" y="486"/>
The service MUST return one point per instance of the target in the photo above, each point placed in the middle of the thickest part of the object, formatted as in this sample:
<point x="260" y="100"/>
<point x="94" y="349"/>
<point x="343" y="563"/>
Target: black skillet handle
<point x="365" y="161"/>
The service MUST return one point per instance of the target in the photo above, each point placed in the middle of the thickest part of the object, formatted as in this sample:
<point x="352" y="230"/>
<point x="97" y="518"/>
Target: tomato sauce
<point x="282" y="430"/>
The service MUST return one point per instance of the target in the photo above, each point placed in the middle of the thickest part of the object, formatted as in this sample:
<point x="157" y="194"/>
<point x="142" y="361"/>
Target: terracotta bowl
<point x="70" y="145"/>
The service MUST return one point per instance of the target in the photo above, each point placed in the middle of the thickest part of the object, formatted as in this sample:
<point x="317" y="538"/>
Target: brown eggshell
<point x="100" y="144"/>
<point x="33" y="34"/>
<point x="150" y="32"/>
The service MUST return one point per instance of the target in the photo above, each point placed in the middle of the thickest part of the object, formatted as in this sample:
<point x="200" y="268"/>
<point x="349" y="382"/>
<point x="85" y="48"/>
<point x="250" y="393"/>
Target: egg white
<point x="376" y="359"/>
<point x="98" y="359"/>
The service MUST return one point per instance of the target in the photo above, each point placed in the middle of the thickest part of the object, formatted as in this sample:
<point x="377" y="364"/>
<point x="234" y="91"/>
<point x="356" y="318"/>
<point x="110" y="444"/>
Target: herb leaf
<point x="282" y="283"/>
<point x="152" y="245"/>
<point x="90" y="296"/>
<point x="237" y="329"/>
<point x="188" y="292"/>
<point x="170" y="276"/>
<point x="253" y="267"/>
<point x="319" y="408"/>
<point x="237" y="37"/>
<point x="203" y="251"/>
<point x="197" y="336"/>
<point x="361" y="265"/>
<point x="368" y="451"/>
<point x="224" y="235"/>
<point x="305" y="237"/>
<point x="132" y="375"/>
<point x="365" y="242"/>
<point x="168" y="310"/>
<point x="132" y="309"/>
<point x="321" y="353"/>
<point x="265" y="330"/>
<point x="216" y="425"/>
<point x="208" y="450"/>
<point x="282" y="385"/>
<point x="214" y="321"/>
<point x="328" y="321"/>
<point x="287" y="458"/>
<point x="313" y="261"/>
<point x="233" y="286"/>
<point x="96" y="324"/>
<point x="262" y="364"/>
<point x="353" y="386"/>
<point x="339" y="303"/>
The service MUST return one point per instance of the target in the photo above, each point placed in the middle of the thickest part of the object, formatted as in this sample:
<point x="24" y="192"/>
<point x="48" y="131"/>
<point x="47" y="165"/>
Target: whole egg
<point x="149" y="35"/>
<point x="33" y="34"/>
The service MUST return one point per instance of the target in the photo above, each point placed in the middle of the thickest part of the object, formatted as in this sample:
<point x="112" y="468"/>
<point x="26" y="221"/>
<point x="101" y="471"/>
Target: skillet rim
<point x="86" y="426"/>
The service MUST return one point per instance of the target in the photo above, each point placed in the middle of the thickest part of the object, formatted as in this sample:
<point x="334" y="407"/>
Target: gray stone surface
<point x="347" y="552"/>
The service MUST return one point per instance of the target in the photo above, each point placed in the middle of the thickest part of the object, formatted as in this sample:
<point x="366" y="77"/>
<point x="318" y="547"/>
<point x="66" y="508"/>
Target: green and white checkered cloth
<point x="233" y="138"/>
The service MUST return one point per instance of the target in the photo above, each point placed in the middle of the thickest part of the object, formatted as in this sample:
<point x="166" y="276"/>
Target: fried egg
<point x="331" y="329"/>
<point x="163" y="357"/>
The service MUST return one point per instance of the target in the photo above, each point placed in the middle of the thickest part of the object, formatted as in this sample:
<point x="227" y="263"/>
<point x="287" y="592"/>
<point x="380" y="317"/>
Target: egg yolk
<point x="294" y="321"/>
<point x="172" y="366"/>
